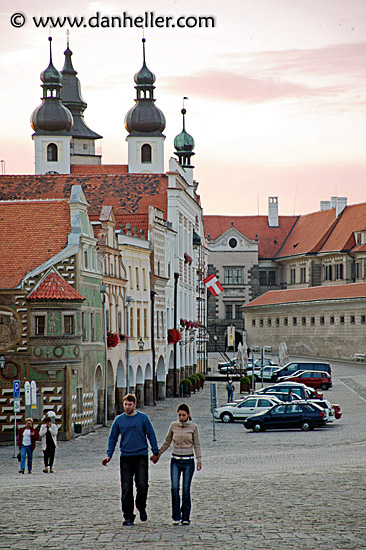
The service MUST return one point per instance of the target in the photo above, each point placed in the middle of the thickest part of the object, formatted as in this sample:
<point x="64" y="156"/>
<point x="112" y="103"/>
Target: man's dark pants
<point x="134" y="467"/>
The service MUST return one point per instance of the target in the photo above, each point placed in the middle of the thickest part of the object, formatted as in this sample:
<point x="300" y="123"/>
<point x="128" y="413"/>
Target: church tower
<point x="83" y="138"/>
<point x="145" y="124"/>
<point x="184" y="145"/>
<point x="51" y="122"/>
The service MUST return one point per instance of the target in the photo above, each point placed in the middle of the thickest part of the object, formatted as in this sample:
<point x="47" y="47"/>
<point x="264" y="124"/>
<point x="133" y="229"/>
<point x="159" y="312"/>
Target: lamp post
<point x="103" y="289"/>
<point x="128" y="303"/>
<point x="176" y="277"/>
<point x="141" y="344"/>
<point x="2" y="362"/>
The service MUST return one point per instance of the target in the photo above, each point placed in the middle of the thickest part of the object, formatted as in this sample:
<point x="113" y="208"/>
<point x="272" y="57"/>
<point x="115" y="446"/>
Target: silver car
<point x="240" y="410"/>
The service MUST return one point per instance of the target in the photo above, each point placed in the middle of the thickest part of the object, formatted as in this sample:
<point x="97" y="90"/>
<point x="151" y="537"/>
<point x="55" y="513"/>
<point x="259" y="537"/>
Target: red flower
<point x="112" y="339"/>
<point x="174" y="336"/>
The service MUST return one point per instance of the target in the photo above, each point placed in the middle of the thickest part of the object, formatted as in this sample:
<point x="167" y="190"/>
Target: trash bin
<point x="78" y="428"/>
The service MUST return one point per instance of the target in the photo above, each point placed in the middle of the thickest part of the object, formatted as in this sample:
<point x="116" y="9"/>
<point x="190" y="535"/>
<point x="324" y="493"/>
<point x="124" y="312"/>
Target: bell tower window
<point x="52" y="152"/>
<point x="146" y="153"/>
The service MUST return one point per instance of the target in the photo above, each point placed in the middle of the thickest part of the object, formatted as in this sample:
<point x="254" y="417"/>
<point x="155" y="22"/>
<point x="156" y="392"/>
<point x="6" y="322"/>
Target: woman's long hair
<point x="185" y="408"/>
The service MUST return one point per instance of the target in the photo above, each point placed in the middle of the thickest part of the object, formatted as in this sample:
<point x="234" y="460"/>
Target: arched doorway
<point x="98" y="402"/>
<point x="139" y="389"/>
<point x="120" y="387"/>
<point x="110" y="391"/>
<point x="160" y="379"/>
<point x="148" y="386"/>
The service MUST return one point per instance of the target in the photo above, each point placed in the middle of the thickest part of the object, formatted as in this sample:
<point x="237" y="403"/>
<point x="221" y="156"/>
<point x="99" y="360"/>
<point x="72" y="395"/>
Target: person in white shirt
<point x="27" y="443"/>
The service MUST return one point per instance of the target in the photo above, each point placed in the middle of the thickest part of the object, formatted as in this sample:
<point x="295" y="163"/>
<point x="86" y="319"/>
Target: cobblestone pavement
<point x="285" y="490"/>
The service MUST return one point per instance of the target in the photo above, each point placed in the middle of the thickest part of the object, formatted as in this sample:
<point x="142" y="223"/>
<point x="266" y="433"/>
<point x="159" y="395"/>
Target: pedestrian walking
<point x="184" y="435"/>
<point x="48" y="434"/>
<point x="230" y="391"/>
<point x="27" y="438"/>
<point x="135" y="430"/>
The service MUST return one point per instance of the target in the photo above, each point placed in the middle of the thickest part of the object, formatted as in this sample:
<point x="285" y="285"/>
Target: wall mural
<point x="10" y="328"/>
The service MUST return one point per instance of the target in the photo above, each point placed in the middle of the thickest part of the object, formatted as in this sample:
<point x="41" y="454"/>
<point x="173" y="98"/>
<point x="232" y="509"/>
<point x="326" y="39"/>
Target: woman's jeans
<point x="26" y="450"/>
<point x="178" y="467"/>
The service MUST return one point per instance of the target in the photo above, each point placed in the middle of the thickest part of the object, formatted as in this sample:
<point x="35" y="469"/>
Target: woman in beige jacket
<point x="184" y="435"/>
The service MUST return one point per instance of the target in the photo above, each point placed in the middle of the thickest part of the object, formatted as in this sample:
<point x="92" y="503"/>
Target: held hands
<point x="106" y="460"/>
<point x="154" y="458"/>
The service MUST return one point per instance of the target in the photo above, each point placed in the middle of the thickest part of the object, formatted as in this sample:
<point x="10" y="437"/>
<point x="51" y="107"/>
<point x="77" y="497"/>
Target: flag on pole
<point x="213" y="285"/>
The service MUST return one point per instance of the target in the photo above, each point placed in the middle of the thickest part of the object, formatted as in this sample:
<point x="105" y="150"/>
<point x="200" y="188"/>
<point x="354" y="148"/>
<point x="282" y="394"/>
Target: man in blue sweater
<point x="135" y="429"/>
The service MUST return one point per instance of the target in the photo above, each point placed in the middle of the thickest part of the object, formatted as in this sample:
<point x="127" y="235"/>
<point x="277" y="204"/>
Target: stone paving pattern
<point x="281" y="490"/>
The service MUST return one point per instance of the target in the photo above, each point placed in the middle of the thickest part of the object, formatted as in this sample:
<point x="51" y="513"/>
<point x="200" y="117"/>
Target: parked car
<point x="291" y="368"/>
<point x="312" y="378"/>
<point x="265" y="372"/>
<point x="265" y="363"/>
<point x="301" y="414"/>
<point x="327" y="406"/>
<point x="227" y="366"/>
<point x="245" y="407"/>
<point x="302" y="391"/>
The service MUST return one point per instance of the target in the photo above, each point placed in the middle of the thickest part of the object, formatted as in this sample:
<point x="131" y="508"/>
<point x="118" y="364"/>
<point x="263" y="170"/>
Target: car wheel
<point x="306" y="426"/>
<point x="324" y="386"/>
<point x="226" y="417"/>
<point x="258" y="427"/>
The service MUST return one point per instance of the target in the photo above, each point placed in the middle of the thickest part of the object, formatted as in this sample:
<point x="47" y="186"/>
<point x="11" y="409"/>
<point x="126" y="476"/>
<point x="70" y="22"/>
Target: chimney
<point x="324" y="205"/>
<point x="341" y="204"/>
<point x="273" y="211"/>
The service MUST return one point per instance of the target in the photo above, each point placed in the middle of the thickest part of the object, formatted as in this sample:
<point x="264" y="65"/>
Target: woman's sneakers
<point x="176" y="521"/>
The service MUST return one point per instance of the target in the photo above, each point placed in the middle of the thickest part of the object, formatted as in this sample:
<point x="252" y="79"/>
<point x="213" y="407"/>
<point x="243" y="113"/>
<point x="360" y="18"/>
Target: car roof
<point x="301" y="371"/>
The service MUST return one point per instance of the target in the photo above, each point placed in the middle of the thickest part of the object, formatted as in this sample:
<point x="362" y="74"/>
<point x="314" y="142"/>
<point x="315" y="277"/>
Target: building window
<point x="40" y="325"/>
<point x="83" y="326"/>
<point x="294" y="321"/>
<point x="261" y="323"/>
<point x="86" y="259"/>
<point x="358" y="270"/>
<point x="157" y="325"/>
<point x="363" y="319"/>
<point x="293" y="276"/>
<point x="69" y="324"/>
<point x="146" y="153"/>
<point x="85" y="146"/>
<point x="131" y="322"/>
<point x="228" y="276"/>
<point x="144" y="276"/>
<point x="238" y="276"/>
<point x="162" y="324"/>
<point x="312" y="320"/>
<point x="228" y="311"/>
<point x="169" y="270"/>
<point x="322" y="320"/>
<point x="285" y="322"/>
<point x="271" y="278"/>
<point x="130" y="272"/>
<point x="263" y="278"/>
<point x="79" y="400"/>
<point x="138" y="322"/>
<point x="233" y="243"/>
<point x="303" y="321"/>
<point x="52" y="152"/>
<point x="238" y="312"/>
<point x="277" y="322"/>
<point x="92" y="326"/>
<point x="119" y="317"/>
<point x="107" y="319"/>
<point x="137" y="279"/>
<point x="341" y="320"/>
<point x="145" y="323"/>
<point x="332" y="320"/>
<point x="253" y="322"/>
<point x="352" y="320"/>
<point x="269" y="322"/>
<point x="302" y="274"/>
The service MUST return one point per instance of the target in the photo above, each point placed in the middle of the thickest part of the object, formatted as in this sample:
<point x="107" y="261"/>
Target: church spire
<point x="184" y="144"/>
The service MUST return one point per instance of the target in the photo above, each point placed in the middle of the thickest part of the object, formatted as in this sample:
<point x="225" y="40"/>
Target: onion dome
<point x="184" y="145"/>
<point x="145" y="118"/>
<point x="51" y="116"/>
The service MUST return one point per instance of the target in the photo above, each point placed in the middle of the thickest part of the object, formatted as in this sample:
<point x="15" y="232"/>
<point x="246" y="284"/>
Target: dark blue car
<point x="301" y="414"/>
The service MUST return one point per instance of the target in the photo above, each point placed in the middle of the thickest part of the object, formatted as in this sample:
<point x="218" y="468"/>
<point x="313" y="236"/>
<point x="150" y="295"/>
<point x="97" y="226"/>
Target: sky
<point x="276" y="88"/>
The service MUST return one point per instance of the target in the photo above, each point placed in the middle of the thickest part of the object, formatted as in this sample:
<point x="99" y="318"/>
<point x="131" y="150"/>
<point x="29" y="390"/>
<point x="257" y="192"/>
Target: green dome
<point x="51" y="76"/>
<point x="184" y="142"/>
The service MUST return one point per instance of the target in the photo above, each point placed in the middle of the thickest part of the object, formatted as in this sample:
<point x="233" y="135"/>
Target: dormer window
<point x="146" y="153"/>
<point x="52" y="152"/>
<point x="233" y="243"/>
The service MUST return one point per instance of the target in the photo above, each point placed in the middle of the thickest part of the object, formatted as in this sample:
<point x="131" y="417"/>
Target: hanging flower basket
<point x="187" y="259"/>
<point x="112" y="339"/>
<point x="174" y="336"/>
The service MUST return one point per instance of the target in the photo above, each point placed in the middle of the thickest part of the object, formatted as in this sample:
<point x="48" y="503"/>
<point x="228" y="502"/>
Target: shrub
<point x="245" y="380"/>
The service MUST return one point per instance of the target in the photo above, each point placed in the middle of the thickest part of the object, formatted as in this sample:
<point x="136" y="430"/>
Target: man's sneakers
<point x="176" y="521"/>
<point x="143" y="516"/>
<point x="130" y="521"/>
<point x="185" y="522"/>
<point x="181" y="522"/>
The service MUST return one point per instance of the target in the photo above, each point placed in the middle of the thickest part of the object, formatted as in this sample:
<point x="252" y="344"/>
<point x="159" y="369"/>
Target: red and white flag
<point x="213" y="285"/>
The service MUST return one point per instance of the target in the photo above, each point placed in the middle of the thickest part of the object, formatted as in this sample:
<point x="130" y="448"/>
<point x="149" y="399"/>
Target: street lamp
<point x="141" y="344"/>
<point x="2" y="362"/>
<point x="103" y="290"/>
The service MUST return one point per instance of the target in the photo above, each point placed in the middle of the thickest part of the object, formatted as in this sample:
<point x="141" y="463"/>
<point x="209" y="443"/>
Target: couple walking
<point x="135" y="429"/>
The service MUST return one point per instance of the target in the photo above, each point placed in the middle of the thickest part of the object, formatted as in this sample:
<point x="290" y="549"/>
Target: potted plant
<point x="174" y="336"/>
<point x="112" y="339"/>
<point x="245" y="384"/>
<point x="186" y="387"/>
<point x="201" y="378"/>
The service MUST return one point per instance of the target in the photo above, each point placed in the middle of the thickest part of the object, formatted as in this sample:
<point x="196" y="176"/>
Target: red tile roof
<point x="337" y="292"/>
<point x="270" y="239"/>
<point x="141" y="221"/>
<point x="54" y="287"/>
<point x="98" y="169"/>
<point x="353" y="218"/>
<point x="31" y="232"/>
<point x="131" y="193"/>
